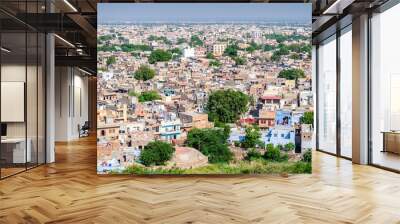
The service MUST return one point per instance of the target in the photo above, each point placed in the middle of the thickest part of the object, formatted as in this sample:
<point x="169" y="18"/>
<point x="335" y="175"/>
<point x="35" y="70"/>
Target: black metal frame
<point x="338" y="152"/>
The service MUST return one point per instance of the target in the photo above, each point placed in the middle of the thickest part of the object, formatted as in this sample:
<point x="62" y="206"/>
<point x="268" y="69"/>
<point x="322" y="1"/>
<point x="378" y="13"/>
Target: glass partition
<point x="385" y="89"/>
<point x="327" y="95"/>
<point x="22" y="77"/>
<point x="346" y="92"/>
<point x="13" y="92"/>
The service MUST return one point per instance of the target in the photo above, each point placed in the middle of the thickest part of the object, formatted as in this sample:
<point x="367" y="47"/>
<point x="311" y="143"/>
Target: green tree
<point x="210" y="55"/>
<point x="195" y="41"/>
<point x="268" y="47"/>
<point x="159" y="55"/>
<point x="252" y="137"/>
<point x="106" y="48"/>
<point x="105" y="38"/>
<point x="211" y="142"/>
<point x="148" y="96"/>
<point x="253" y="47"/>
<point x="214" y="63"/>
<point x="307" y="118"/>
<point x="231" y="50"/>
<point x="291" y="74"/>
<point x="295" y="56"/>
<point x="144" y="73"/>
<point x="278" y="37"/>
<point x="181" y="40"/>
<point x="133" y="47"/>
<point x="239" y="60"/>
<point x="283" y="50"/>
<point x="226" y="106"/>
<point x="156" y="153"/>
<point x="156" y="38"/>
<point x="276" y="57"/>
<point x="111" y="60"/>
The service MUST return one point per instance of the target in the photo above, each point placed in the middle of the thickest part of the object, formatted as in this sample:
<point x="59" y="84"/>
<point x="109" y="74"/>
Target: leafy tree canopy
<point x="231" y="50"/>
<point x="226" y="106"/>
<point x="307" y="118"/>
<point x="111" y="60"/>
<point x="268" y="47"/>
<point x="144" y="73"/>
<point x="211" y="142"/>
<point x="156" y="153"/>
<point x="181" y="40"/>
<point x="161" y="39"/>
<point x="159" y="55"/>
<point x="291" y="74"/>
<point x="149" y="96"/>
<point x="252" y="137"/>
<point x="105" y="38"/>
<point x="133" y="47"/>
<point x="210" y="55"/>
<point x="195" y="41"/>
<point x="239" y="60"/>
<point x="214" y="63"/>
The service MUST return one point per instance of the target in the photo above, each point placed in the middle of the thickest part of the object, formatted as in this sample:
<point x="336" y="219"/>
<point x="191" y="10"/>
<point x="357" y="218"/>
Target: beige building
<point x="218" y="49"/>
<point x="194" y="120"/>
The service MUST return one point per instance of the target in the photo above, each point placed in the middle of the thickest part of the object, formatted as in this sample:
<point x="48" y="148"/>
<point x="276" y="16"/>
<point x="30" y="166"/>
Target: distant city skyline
<point x="203" y="12"/>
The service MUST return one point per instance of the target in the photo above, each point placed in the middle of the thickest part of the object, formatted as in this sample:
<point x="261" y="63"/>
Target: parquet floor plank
<point x="70" y="191"/>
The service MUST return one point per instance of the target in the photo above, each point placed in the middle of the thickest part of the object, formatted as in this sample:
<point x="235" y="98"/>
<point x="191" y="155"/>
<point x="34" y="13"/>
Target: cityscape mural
<point x="216" y="88"/>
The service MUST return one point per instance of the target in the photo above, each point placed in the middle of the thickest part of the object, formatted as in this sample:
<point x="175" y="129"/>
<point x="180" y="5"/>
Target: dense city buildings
<point x="166" y="83"/>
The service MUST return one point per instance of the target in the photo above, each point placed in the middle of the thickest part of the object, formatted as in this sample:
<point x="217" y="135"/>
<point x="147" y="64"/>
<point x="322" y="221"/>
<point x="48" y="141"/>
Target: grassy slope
<point x="242" y="167"/>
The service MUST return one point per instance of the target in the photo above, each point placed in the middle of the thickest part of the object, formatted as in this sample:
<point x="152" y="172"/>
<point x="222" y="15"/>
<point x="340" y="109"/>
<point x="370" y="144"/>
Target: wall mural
<point x="204" y="88"/>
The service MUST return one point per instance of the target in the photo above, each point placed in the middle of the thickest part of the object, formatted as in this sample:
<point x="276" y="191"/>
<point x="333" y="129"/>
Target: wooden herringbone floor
<point x="69" y="191"/>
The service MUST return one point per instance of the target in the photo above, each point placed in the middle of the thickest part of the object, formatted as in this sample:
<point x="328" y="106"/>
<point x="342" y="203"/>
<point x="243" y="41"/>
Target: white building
<point x="188" y="53"/>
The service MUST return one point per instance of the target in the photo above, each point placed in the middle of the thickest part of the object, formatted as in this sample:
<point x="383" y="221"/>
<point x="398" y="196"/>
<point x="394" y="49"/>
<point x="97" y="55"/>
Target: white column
<point x="360" y="90"/>
<point x="50" y="100"/>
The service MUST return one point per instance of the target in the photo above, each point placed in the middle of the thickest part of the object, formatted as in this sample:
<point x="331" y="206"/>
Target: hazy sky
<point x="206" y="12"/>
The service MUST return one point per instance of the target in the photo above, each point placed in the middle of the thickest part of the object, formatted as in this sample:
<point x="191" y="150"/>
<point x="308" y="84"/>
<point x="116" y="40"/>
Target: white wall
<point x="71" y="102"/>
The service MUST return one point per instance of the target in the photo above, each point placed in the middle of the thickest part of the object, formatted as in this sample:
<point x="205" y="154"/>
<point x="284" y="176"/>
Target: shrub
<point x="307" y="156"/>
<point x="289" y="147"/>
<point x="284" y="157"/>
<point x="273" y="154"/>
<point x="252" y="137"/>
<point x="253" y="154"/>
<point x="301" y="167"/>
<point x="156" y="153"/>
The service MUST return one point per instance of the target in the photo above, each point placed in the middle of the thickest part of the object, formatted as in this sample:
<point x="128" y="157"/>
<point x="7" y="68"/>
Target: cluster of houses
<point x="126" y="125"/>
